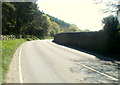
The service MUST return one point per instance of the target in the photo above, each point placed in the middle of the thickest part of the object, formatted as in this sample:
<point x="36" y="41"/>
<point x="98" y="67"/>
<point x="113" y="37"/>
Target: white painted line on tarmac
<point x="20" y="70"/>
<point x="112" y="78"/>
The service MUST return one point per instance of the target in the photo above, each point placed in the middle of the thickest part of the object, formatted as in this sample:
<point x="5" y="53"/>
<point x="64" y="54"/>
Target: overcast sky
<point x="83" y="13"/>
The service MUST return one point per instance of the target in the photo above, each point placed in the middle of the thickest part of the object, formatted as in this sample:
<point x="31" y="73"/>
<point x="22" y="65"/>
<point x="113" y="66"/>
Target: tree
<point x="55" y="29"/>
<point x="73" y="28"/>
<point x="24" y="18"/>
<point x="8" y="20"/>
<point x="111" y="23"/>
<point x="118" y="12"/>
<point x="86" y="30"/>
<point x="46" y="24"/>
<point x="23" y="14"/>
<point x="112" y="30"/>
<point x="111" y="5"/>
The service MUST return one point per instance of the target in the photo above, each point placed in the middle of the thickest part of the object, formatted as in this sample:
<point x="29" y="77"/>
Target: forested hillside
<point x="24" y="18"/>
<point x="60" y="22"/>
<point x="64" y="26"/>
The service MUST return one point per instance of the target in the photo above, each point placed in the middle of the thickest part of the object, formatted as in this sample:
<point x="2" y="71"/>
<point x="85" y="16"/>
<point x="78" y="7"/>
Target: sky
<point x="85" y="14"/>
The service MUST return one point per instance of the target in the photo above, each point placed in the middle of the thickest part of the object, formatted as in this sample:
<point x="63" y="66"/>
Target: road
<point x="42" y="61"/>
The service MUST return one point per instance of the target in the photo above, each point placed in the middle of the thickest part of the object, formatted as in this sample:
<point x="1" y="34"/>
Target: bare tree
<point x="118" y="12"/>
<point x="112" y="6"/>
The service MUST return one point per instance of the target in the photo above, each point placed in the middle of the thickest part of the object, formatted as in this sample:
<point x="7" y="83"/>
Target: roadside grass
<point x="48" y="37"/>
<point x="34" y="38"/>
<point x="7" y="50"/>
<point x="42" y="38"/>
<point x="0" y="62"/>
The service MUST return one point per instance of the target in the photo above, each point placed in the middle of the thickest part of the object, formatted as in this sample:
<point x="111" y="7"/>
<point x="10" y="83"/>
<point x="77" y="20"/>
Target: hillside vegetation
<point x="21" y="18"/>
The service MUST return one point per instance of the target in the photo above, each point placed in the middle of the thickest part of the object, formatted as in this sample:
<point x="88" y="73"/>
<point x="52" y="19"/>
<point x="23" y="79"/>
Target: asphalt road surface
<point x="42" y="61"/>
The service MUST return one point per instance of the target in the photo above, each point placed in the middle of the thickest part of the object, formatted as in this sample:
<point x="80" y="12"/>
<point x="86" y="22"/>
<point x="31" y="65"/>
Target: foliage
<point x="111" y="5"/>
<point x="24" y="18"/>
<point x="58" y="21"/>
<point x="21" y="18"/>
<point x="86" y="30"/>
<point x="112" y="29"/>
<point x="111" y="23"/>
<point x="72" y="28"/>
<point x="55" y="29"/>
<point x="64" y="27"/>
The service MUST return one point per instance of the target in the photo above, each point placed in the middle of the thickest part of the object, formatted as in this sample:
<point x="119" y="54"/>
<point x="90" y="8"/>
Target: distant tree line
<point x="24" y="18"/>
<point x="64" y="26"/>
<point x="58" y="21"/>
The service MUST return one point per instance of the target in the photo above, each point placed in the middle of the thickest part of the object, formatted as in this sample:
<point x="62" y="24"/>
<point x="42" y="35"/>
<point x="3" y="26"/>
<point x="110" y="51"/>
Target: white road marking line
<point x="112" y="78"/>
<point x="20" y="73"/>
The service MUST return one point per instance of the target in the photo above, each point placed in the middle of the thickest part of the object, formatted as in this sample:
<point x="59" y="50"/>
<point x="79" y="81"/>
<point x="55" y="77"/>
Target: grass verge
<point x="48" y="37"/>
<point x="7" y="50"/>
<point x="0" y="62"/>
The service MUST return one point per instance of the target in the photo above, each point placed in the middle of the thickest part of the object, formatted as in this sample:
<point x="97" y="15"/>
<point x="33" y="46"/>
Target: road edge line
<point x="112" y="78"/>
<point x="20" y="72"/>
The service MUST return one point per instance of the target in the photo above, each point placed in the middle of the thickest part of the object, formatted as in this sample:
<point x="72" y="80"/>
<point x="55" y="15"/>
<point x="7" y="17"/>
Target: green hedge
<point x="97" y="42"/>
